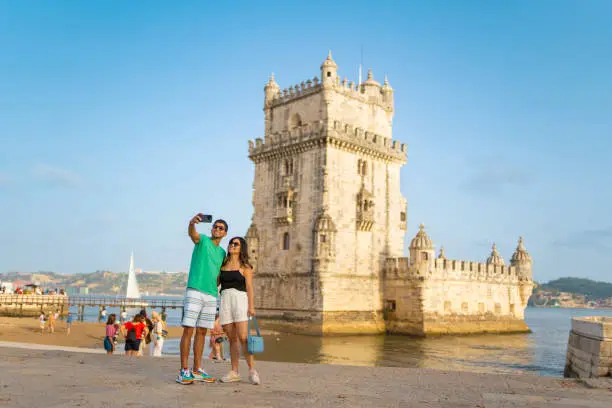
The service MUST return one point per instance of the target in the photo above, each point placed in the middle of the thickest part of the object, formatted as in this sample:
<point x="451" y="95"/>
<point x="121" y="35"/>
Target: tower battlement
<point x="447" y="269"/>
<point x="344" y="135"/>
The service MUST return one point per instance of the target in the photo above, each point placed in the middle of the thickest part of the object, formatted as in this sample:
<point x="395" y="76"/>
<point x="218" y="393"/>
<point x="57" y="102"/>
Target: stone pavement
<point x="54" y="378"/>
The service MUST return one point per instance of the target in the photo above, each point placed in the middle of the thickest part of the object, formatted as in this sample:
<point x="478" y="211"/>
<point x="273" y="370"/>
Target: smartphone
<point x="205" y="217"/>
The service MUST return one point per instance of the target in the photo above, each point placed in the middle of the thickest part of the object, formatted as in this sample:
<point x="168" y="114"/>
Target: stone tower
<point x="327" y="204"/>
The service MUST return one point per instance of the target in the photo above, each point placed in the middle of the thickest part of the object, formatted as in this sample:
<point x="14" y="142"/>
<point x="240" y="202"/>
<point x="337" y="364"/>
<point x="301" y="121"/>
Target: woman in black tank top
<point x="237" y="305"/>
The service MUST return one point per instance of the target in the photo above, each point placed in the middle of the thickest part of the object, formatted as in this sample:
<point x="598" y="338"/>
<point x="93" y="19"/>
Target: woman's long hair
<point x="244" y="252"/>
<point x="111" y="319"/>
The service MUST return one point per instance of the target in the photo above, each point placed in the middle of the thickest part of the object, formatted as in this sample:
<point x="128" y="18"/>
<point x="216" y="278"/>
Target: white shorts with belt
<point x="234" y="307"/>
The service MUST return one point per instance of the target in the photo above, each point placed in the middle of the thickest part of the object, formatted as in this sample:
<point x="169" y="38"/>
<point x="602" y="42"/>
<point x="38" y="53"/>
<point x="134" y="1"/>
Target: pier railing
<point x="99" y="301"/>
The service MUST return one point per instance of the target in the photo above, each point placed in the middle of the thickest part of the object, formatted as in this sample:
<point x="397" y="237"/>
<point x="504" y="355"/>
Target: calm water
<point x="541" y="352"/>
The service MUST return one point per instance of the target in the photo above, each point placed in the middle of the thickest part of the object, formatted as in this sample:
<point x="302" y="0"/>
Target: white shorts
<point x="234" y="307"/>
<point x="199" y="310"/>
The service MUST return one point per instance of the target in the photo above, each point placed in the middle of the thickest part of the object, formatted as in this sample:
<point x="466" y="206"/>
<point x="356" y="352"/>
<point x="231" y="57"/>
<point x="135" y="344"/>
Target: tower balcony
<point x="284" y="216"/>
<point x="365" y="221"/>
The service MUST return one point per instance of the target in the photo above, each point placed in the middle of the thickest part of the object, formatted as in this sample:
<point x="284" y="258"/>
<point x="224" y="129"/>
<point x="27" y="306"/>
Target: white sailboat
<point x="132" y="284"/>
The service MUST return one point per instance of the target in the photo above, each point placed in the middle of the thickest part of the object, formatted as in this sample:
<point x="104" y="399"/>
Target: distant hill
<point x="590" y="288"/>
<point x="103" y="282"/>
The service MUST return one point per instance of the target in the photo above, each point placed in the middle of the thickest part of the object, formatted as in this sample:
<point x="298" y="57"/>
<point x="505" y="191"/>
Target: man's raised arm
<point x="195" y="237"/>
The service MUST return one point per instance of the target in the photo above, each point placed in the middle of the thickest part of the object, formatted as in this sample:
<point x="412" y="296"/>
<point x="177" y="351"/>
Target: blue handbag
<point x="255" y="344"/>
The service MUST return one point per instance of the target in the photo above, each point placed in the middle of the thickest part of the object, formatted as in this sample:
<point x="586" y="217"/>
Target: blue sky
<point x="119" y="120"/>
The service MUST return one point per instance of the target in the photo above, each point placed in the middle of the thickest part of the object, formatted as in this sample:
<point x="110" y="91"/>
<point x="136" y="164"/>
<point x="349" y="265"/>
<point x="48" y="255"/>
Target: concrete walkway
<point x="52" y="378"/>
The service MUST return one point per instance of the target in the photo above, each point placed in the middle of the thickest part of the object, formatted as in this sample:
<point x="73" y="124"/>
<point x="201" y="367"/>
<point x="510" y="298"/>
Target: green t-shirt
<point x="205" y="266"/>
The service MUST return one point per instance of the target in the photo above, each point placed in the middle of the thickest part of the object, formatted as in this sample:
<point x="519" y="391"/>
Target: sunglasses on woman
<point x="235" y="244"/>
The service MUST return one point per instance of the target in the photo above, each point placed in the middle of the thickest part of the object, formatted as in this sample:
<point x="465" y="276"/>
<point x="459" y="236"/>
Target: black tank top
<point x="232" y="280"/>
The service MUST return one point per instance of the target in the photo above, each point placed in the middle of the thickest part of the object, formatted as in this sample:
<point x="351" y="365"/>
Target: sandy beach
<point x="82" y="334"/>
<point x="77" y="379"/>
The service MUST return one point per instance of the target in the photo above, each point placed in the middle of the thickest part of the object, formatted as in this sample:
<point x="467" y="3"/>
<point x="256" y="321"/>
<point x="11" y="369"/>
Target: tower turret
<point x="387" y="93"/>
<point x="522" y="261"/>
<point x="329" y="71"/>
<point x="271" y="90"/>
<point x="421" y="247"/>
<point x="495" y="258"/>
<point x="371" y="87"/>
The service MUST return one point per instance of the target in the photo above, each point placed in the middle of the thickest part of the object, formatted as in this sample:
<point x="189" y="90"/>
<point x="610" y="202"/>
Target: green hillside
<point x="590" y="288"/>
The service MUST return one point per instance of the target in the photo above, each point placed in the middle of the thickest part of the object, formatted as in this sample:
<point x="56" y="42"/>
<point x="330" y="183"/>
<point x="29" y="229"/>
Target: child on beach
<point x="111" y="334"/>
<point x="216" y="338"/>
<point x="157" y="335"/>
<point x="68" y="323"/>
<point x="51" y="322"/>
<point x="41" y="319"/>
<point x="134" y="332"/>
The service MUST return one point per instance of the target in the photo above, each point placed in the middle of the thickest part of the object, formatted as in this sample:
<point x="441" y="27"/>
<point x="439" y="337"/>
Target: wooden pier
<point x="29" y="305"/>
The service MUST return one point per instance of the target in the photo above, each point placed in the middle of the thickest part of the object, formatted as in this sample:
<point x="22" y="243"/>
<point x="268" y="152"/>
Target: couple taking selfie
<point x="210" y="268"/>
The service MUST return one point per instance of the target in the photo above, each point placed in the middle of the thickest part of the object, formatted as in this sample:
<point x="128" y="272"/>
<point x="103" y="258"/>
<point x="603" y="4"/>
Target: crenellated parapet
<point x="338" y="134"/>
<point x="452" y="270"/>
<point x="370" y="91"/>
<point x="294" y="92"/>
<point x="423" y="265"/>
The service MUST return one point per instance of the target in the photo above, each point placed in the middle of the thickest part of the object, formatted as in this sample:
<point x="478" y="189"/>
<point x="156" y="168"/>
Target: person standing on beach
<point x="200" y="305"/>
<point x="51" y="322"/>
<point x="41" y="319"/>
<point x="157" y="335"/>
<point x="133" y="332"/>
<point x="68" y="323"/>
<point x="237" y="306"/>
<point x="111" y="334"/>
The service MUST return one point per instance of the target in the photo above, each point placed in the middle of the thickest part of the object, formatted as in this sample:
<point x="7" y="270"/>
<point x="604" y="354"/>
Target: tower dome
<point x="494" y="258"/>
<point x="325" y="223"/>
<point x="329" y="62"/>
<point x="271" y="90"/>
<point x="421" y="240"/>
<point x="329" y="72"/>
<point x="370" y="81"/>
<point x="521" y="254"/>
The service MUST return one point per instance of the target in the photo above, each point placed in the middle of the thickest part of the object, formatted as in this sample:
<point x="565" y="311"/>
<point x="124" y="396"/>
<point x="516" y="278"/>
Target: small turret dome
<point x="329" y="62"/>
<point x="386" y="87"/>
<point x="370" y="81"/>
<point x="494" y="258"/>
<point x="421" y="240"/>
<point x="272" y="82"/>
<point x="521" y="254"/>
<point x="442" y="255"/>
<point x="252" y="231"/>
<point x="325" y="223"/>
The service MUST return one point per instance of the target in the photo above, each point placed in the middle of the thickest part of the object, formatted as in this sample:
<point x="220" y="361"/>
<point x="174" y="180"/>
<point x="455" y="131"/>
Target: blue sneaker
<point x="202" y="376"/>
<point x="185" y="377"/>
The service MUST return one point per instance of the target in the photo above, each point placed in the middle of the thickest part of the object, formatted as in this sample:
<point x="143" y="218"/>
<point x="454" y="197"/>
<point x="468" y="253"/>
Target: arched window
<point x="295" y="121"/>
<point x="286" y="241"/>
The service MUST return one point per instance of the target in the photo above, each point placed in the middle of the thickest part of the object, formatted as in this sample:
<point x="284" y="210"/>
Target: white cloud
<point x="56" y="175"/>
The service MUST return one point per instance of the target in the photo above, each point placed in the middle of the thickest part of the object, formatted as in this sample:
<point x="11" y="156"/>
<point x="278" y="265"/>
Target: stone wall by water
<point x="589" y="348"/>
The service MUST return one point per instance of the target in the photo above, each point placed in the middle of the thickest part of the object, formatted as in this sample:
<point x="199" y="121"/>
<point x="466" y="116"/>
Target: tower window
<point x="403" y="216"/>
<point x="390" y="305"/>
<point x="425" y="256"/>
<point x="362" y="167"/>
<point x="323" y="238"/>
<point x="286" y="241"/>
<point x="328" y="74"/>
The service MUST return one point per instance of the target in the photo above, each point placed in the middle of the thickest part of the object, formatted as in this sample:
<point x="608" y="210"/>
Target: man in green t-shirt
<point x="200" y="306"/>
